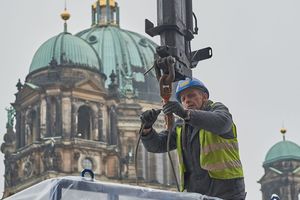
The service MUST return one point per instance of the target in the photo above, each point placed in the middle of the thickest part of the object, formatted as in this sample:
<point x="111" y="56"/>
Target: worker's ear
<point x="205" y="96"/>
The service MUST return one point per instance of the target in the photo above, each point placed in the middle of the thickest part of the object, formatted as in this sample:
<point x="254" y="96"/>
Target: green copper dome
<point x="119" y="48"/>
<point x="284" y="150"/>
<point x="126" y="53"/>
<point x="66" y="49"/>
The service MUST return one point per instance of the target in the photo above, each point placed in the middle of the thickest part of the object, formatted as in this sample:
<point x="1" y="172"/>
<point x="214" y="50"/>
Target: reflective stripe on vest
<point x="219" y="156"/>
<point x="180" y="158"/>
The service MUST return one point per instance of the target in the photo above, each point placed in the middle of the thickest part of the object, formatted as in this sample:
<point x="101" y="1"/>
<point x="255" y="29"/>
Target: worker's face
<point x="192" y="98"/>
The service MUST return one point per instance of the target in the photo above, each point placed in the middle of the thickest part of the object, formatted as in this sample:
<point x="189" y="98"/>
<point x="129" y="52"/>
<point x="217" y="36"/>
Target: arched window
<point x="84" y="127"/>
<point x="113" y="136"/>
<point x="130" y="152"/>
<point x="53" y="117"/>
<point x="87" y="163"/>
<point x="31" y="127"/>
<point x="33" y="123"/>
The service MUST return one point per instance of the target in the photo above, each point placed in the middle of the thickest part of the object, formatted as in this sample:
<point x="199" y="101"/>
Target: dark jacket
<point x="216" y="119"/>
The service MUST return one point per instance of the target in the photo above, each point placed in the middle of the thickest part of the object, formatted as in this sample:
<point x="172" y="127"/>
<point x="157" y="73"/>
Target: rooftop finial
<point x="65" y="15"/>
<point x="283" y="131"/>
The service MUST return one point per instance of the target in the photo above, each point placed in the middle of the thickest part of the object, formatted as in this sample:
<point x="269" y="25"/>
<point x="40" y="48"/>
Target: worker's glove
<point x="149" y="117"/>
<point x="176" y="108"/>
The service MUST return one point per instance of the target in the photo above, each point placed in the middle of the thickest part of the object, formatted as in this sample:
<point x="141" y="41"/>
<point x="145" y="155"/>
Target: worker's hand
<point x="176" y="108"/>
<point x="149" y="117"/>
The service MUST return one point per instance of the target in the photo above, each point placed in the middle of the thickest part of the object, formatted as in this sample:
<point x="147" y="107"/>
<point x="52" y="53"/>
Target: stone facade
<point x="281" y="178"/>
<point x="66" y="120"/>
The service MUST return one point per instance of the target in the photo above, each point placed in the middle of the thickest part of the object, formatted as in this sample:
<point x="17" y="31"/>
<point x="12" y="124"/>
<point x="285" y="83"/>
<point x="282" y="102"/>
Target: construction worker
<point x="205" y="139"/>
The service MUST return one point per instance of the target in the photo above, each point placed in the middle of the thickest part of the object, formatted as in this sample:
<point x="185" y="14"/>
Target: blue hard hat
<point x="190" y="83"/>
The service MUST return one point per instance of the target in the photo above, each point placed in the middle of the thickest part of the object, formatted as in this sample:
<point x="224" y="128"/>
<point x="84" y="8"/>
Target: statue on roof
<point x="11" y="112"/>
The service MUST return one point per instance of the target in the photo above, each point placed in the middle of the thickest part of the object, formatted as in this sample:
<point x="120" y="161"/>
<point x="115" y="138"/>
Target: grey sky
<point x="254" y="69"/>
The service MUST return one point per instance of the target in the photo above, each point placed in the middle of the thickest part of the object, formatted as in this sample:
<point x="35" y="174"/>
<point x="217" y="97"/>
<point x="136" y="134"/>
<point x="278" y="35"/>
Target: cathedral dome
<point x="284" y="150"/>
<point x="127" y="53"/>
<point x="119" y="48"/>
<point x="67" y="50"/>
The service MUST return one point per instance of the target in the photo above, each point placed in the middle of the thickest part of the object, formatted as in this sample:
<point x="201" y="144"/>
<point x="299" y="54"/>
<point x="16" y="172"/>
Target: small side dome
<point x="284" y="150"/>
<point x="66" y="50"/>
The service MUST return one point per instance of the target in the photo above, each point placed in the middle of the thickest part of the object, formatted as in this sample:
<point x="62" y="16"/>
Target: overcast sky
<point x="254" y="69"/>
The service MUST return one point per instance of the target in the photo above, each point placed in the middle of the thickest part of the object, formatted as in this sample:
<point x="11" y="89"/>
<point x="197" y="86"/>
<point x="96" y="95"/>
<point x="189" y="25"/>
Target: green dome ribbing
<point x="284" y="150"/>
<point x="128" y="54"/>
<point x="65" y="49"/>
<point x="119" y="48"/>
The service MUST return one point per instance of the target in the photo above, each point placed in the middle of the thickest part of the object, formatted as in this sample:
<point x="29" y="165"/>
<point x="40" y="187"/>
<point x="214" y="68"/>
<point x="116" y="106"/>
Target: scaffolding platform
<point x="82" y="188"/>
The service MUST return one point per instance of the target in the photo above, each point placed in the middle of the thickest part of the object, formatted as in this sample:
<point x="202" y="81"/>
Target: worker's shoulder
<point x="217" y="105"/>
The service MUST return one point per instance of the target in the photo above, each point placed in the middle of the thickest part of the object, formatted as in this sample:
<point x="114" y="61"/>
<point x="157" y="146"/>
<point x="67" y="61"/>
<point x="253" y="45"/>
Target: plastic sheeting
<point x="80" y="188"/>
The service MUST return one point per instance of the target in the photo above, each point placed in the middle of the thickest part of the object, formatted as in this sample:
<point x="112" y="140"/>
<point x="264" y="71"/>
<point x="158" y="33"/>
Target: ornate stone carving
<point x="10" y="137"/>
<point x="76" y="156"/>
<point x="51" y="159"/>
<point x="28" y="133"/>
<point x="11" y="112"/>
<point x="11" y="172"/>
<point x="28" y="168"/>
<point x="19" y="85"/>
<point x="113" y="88"/>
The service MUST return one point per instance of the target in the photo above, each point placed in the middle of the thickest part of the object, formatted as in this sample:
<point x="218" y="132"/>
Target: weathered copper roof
<point x="127" y="53"/>
<point x="65" y="49"/>
<point x="284" y="150"/>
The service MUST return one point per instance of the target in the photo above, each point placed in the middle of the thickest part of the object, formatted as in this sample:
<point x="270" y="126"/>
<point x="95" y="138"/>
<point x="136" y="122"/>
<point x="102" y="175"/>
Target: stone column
<point x="37" y="124"/>
<point x="43" y="117"/>
<point x="152" y="167"/>
<point x="74" y="110"/>
<point x="144" y="166"/>
<point x="66" y="117"/>
<point x="94" y="121"/>
<point x="18" y="128"/>
<point x="105" y="123"/>
<point x="22" y="131"/>
<point x="58" y="117"/>
<point x="100" y="126"/>
<point x="48" y="117"/>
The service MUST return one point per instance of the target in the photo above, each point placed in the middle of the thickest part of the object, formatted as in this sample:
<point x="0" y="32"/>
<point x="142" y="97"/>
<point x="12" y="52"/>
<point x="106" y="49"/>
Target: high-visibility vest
<point x="219" y="156"/>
